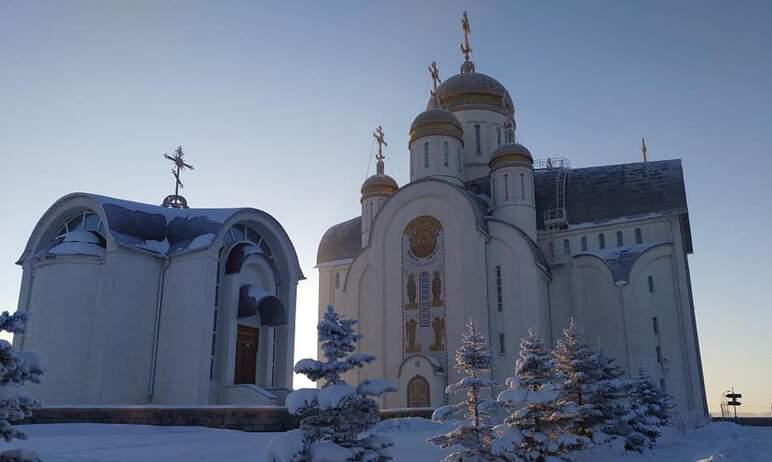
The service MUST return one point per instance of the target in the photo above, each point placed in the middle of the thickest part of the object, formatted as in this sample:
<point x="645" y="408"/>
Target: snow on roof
<point x="620" y="260"/>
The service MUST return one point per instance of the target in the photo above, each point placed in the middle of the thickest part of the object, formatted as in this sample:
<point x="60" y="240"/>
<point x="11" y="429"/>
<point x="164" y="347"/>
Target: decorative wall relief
<point x="411" y="293"/>
<point x="423" y="289"/>
<point x="439" y="335"/>
<point x="410" y="328"/>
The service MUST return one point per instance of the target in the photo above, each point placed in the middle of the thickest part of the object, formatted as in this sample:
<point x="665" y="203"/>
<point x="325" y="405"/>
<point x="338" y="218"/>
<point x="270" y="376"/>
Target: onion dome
<point x="472" y="90"/>
<point x="379" y="184"/>
<point x="511" y="154"/>
<point x="436" y="122"/>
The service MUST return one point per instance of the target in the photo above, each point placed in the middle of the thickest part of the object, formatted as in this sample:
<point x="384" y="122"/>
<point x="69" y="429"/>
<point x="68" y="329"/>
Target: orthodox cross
<point x="178" y="159"/>
<point x="378" y="135"/>
<point x="465" y="47"/>
<point x="435" y="73"/>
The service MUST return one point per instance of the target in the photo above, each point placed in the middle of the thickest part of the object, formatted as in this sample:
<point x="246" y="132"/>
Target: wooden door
<point x="246" y="354"/>
<point x="418" y="392"/>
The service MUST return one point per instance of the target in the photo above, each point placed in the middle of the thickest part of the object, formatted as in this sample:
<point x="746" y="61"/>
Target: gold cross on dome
<point x="435" y="73"/>
<point x="465" y="47"/>
<point x="378" y="135"/>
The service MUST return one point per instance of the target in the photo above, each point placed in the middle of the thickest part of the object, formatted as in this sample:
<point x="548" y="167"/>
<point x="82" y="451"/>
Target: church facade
<point x="484" y="232"/>
<point x="133" y="303"/>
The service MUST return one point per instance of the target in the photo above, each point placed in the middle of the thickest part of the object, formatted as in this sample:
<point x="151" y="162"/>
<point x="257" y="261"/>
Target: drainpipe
<point x="157" y="328"/>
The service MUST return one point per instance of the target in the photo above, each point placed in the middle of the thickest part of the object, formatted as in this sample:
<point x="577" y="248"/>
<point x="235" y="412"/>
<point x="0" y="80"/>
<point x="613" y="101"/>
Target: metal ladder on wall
<point x="557" y="217"/>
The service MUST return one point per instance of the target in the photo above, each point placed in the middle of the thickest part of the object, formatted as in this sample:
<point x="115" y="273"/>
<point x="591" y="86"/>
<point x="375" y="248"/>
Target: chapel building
<point x="483" y="231"/>
<point x="132" y="303"/>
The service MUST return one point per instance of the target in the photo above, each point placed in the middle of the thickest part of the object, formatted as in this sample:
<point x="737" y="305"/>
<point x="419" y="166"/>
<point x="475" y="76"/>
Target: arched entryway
<point x="258" y="314"/>
<point x="418" y="392"/>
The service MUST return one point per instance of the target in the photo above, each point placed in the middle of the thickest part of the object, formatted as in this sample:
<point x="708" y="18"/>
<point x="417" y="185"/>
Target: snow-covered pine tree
<point x="336" y="419"/>
<point x="592" y="381"/>
<point x="16" y="368"/>
<point x="475" y="435"/>
<point x="650" y="408"/>
<point x="535" y="429"/>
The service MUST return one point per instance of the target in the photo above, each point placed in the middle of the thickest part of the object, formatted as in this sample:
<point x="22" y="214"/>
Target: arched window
<point x="498" y="136"/>
<point x="445" y="148"/>
<point x="82" y="234"/>
<point x="620" y="239"/>
<point x="584" y="243"/>
<point x="566" y="247"/>
<point x="601" y="241"/>
<point x="506" y="187"/>
<point x="337" y="280"/>
<point x="522" y="186"/>
<point x="552" y="250"/>
<point x="493" y="191"/>
<point x="502" y="344"/>
<point x="458" y="156"/>
<point x="426" y="155"/>
<point x="477" y="140"/>
<point x="638" y="236"/>
<point x="651" y="284"/>
<point x="249" y="242"/>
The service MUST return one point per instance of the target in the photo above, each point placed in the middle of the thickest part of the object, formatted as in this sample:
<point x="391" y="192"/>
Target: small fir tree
<point x="650" y="408"/>
<point x="538" y="414"/>
<point x="336" y="419"/>
<point x="475" y="435"/>
<point x="580" y="370"/>
<point x="16" y="368"/>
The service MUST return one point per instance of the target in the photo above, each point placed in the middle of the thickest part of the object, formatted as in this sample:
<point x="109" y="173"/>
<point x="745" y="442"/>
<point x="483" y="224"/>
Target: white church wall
<point x="521" y="299"/>
<point x="434" y="165"/>
<point x="64" y="292"/>
<point x="182" y="375"/>
<point x="123" y="329"/>
<point x="465" y="278"/>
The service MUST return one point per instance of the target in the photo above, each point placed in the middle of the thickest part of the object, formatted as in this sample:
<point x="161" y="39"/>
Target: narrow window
<point x="620" y="239"/>
<point x="458" y="157"/>
<point x="498" y="136"/>
<point x="651" y="284"/>
<point x="426" y="155"/>
<point x="566" y="247"/>
<point x="424" y="291"/>
<point x="655" y="324"/>
<point x="601" y="241"/>
<point x="445" y="152"/>
<point x="638" y="236"/>
<point x="552" y="250"/>
<point x="522" y="186"/>
<point x="499" y="294"/>
<point x="477" y="141"/>
<point x="662" y="384"/>
<point x="584" y="243"/>
<point x="502" y="345"/>
<point x="337" y="280"/>
<point x="659" y="354"/>
<point x="506" y="186"/>
<point x="493" y="191"/>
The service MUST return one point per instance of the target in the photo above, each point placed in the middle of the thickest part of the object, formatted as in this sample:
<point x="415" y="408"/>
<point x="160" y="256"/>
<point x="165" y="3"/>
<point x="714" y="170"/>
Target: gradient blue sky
<point x="275" y="105"/>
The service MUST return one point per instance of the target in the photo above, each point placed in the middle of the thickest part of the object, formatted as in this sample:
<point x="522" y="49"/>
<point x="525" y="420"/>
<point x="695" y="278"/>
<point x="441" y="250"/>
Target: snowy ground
<point x="137" y="443"/>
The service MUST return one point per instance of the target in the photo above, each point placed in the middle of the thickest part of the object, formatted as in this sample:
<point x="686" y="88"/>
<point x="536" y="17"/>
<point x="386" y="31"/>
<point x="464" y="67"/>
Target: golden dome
<point x="436" y="122"/>
<point x="472" y="90"/>
<point x="510" y="154"/>
<point x="379" y="184"/>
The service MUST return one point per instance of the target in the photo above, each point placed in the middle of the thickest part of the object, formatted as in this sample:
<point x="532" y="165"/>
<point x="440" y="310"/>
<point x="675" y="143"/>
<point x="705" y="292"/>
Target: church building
<point x="133" y="303"/>
<point x="484" y="231"/>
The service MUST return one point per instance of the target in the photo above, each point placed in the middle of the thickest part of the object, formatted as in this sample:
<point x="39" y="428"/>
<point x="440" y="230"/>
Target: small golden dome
<point x="435" y="122"/>
<point x="379" y="184"/>
<point x="510" y="154"/>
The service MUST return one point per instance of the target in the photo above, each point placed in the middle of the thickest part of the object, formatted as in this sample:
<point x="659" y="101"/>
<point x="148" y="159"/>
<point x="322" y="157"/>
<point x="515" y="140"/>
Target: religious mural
<point x="423" y="288"/>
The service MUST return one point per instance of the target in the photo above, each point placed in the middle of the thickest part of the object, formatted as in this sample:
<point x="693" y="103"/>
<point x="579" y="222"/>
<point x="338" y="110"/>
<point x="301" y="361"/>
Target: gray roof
<point x="593" y="195"/>
<point x="598" y="194"/>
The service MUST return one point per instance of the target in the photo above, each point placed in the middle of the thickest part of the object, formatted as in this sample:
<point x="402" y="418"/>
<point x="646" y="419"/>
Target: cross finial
<point x="466" y="49"/>
<point x="644" y="150"/>
<point x="379" y="138"/>
<point x="436" y="81"/>
<point x="175" y="200"/>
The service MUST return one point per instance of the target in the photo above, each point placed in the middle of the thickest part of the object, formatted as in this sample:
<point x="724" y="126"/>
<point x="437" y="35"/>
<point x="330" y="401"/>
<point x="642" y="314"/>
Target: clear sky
<point x="275" y="105"/>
